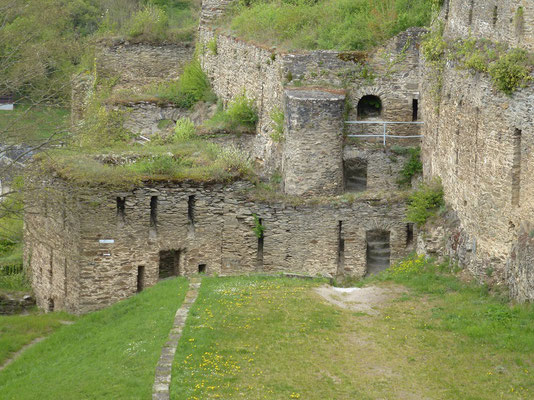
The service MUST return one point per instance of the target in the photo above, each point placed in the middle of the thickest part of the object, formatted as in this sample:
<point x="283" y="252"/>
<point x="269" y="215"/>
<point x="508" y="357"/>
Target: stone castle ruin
<point x="89" y="247"/>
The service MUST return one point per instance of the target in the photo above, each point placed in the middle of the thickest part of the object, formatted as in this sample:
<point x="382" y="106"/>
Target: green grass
<point x="33" y="125"/>
<point x="327" y="24"/>
<point x="110" y="354"/>
<point x="193" y="160"/>
<point x="12" y="277"/>
<point x="269" y="338"/>
<point x="241" y="116"/>
<point x="19" y="330"/>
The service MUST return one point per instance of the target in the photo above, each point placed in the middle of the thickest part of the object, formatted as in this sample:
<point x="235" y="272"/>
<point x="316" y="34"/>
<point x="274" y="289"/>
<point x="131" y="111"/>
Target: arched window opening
<point x="369" y="107"/>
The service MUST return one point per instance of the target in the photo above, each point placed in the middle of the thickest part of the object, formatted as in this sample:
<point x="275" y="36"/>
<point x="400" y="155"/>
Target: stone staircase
<point x="378" y="252"/>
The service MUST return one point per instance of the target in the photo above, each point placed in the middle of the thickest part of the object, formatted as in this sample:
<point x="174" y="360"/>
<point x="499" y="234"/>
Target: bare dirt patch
<point x="366" y="300"/>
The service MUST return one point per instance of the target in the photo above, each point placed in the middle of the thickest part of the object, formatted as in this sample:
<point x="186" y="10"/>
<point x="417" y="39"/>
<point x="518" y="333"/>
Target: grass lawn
<point x="110" y="354"/>
<point x="19" y="330"/>
<point x="32" y="125"/>
<point x="258" y="338"/>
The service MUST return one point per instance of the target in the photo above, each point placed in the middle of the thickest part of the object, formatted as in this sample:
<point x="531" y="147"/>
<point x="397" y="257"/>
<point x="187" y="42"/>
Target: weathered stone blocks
<point x="313" y="150"/>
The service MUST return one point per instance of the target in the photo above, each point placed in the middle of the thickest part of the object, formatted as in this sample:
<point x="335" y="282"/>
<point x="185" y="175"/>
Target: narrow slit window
<point x="495" y="15"/>
<point x="191" y="210"/>
<point x="472" y="5"/>
<point x="340" y="249"/>
<point x="415" y="109"/>
<point x="154" y="211"/>
<point x="121" y="208"/>
<point x="261" y="239"/>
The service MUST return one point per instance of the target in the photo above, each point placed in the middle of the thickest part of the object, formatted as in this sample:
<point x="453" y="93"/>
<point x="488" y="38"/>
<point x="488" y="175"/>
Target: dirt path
<point x="366" y="300"/>
<point x="19" y="353"/>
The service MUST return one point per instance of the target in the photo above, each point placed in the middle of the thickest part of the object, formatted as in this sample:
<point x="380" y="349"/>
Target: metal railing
<point x="385" y="124"/>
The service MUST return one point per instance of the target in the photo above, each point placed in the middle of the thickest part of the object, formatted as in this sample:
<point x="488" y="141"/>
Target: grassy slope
<point x="32" y="125"/>
<point x="275" y="339"/>
<point x="19" y="330"/>
<point x="110" y="354"/>
<point x="327" y="24"/>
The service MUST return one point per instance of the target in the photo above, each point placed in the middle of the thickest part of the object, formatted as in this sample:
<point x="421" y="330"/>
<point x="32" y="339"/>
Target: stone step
<point x="378" y="245"/>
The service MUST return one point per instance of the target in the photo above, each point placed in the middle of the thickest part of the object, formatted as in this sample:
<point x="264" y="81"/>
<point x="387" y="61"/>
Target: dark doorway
<point x="169" y="263"/>
<point x="369" y="107"/>
<point x="140" y="278"/>
<point x="202" y="268"/>
<point x="409" y="235"/>
<point x="355" y="172"/>
<point x="378" y="251"/>
<point x="50" y="305"/>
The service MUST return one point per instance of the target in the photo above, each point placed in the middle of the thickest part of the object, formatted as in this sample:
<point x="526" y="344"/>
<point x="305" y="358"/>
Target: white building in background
<point x="7" y="102"/>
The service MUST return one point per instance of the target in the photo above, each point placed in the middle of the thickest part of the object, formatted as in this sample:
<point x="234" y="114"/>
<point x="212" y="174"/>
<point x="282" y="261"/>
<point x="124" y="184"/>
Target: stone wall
<point x="392" y="73"/>
<point x="509" y="21"/>
<point x="87" y="255"/>
<point x="82" y="89"/>
<point x="52" y="245"/>
<point x="313" y="149"/>
<point x="479" y="142"/>
<point x="137" y="64"/>
<point x="238" y="66"/>
<point x="15" y="303"/>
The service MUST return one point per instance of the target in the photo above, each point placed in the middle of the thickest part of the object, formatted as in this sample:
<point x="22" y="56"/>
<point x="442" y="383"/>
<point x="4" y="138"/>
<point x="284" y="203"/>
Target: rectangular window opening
<point x="201" y="268"/>
<point x="495" y="15"/>
<point x="154" y="211"/>
<point x="140" y="278"/>
<point x="415" y="109"/>
<point x="516" y="168"/>
<point x="121" y="208"/>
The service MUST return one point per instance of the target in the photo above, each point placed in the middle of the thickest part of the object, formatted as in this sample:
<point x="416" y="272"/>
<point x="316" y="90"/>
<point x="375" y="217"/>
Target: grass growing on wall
<point x="196" y="160"/>
<point x="327" y="24"/>
<point x="110" y="354"/>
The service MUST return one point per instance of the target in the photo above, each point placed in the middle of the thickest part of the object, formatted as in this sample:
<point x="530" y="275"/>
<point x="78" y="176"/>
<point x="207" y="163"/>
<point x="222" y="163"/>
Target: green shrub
<point x="425" y="202"/>
<point x="242" y="111"/>
<point x="102" y="128"/>
<point x="158" y="165"/>
<point x="212" y="46"/>
<point x="192" y="86"/>
<point x="511" y="71"/>
<point x="259" y="228"/>
<point x="412" y="167"/>
<point x="149" y="24"/>
<point x="240" y="116"/>
<point x="184" y="130"/>
<point x="278" y="118"/>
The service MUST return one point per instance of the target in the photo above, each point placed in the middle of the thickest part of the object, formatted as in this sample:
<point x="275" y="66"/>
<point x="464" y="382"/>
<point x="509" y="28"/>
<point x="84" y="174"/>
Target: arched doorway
<point x="369" y="107"/>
